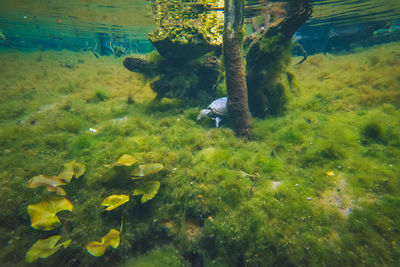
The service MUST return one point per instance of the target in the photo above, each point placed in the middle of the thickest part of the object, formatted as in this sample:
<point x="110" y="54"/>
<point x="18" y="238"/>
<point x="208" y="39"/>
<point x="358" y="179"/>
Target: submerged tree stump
<point x="184" y="37"/>
<point x="184" y="29"/>
<point x="268" y="55"/>
<point x="182" y="79"/>
<point x="185" y="33"/>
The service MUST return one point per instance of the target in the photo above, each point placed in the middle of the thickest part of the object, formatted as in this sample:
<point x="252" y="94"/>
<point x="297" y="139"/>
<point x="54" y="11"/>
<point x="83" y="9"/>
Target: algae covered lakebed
<point x="316" y="186"/>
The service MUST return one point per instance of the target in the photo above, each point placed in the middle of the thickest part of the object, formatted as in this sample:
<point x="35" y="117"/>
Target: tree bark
<point x="238" y="109"/>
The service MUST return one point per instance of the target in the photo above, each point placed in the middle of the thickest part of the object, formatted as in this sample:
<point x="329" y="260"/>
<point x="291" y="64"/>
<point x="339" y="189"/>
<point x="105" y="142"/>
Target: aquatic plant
<point x="124" y="160"/>
<point x="114" y="201"/>
<point x="236" y="219"/>
<point x="43" y="214"/>
<point x="44" y="248"/>
<point x="51" y="183"/>
<point x="373" y="131"/>
<point x="100" y="95"/>
<point x="72" y="169"/>
<point x="147" y="189"/>
<point x="160" y="256"/>
<point x="146" y="170"/>
<point x="97" y="249"/>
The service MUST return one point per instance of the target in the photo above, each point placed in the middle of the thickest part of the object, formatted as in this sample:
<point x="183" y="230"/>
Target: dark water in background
<point x="75" y="24"/>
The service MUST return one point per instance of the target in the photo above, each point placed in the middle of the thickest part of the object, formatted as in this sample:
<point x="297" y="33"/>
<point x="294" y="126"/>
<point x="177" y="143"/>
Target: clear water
<point x="316" y="185"/>
<point x="79" y="22"/>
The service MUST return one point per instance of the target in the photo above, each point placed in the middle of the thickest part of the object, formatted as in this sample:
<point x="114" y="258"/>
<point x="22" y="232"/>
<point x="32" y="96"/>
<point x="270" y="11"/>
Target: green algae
<point x="100" y="95"/>
<point x="164" y="256"/>
<point x="207" y="210"/>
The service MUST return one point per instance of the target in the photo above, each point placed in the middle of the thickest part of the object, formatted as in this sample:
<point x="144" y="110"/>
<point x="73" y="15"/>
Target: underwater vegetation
<point x="44" y="248"/>
<point x="98" y="249"/>
<point x="114" y="201"/>
<point x="317" y="185"/>
<point x="51" y="183"/>
<point x="43" y="214"/>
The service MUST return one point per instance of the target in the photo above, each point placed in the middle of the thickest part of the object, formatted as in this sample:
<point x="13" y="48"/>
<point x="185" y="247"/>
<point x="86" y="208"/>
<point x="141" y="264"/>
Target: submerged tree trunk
<point x="238" y="109"/>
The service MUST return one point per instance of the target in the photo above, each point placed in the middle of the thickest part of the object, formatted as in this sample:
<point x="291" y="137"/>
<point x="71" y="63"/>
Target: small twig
<point x="304" y="53"/>
<point x="94" y="53"/>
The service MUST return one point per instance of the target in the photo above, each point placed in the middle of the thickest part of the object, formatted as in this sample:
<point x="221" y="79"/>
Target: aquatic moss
<point x="374" y="131"/>
<point x="100" y="95"/>
<point x="163" y="256"/>
<point x="225" y="201"/>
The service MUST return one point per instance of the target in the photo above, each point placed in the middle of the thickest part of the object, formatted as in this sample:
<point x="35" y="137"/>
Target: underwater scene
<point x="200" y="133"/>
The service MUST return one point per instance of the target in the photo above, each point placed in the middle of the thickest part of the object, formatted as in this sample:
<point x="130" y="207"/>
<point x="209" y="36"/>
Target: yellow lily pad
<point x="43" y="214"/>
<point x="114" y="201"/>
<point x="72" y="169"/>
<point x="146" y="169"/>
<point x="44" y="248"/>
<point x="148" y="190"/>
<point x="51" y="183"/>
<point x="124" y="160"/>
<point x="97" y="249"/>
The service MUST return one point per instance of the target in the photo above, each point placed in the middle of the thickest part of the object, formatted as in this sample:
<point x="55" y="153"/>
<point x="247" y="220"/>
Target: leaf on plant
<point x="114" y="201"/>
<point x="51" y="183"/>
<point x="146" y="169"/>
<point x="97" y="249"/>
<point x="124" y="160"/>
<point x="44" y="248"/>
<point x="72" y="169"/>
<point x="147" y="189"/>
<point x="43" y="214"/>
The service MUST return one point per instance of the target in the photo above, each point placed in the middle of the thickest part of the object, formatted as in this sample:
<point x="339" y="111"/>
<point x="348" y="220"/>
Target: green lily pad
<point x="72" y="169"/>
<point x="146" y="169"/>
<point x="97" y="249"/>
<point x="43" y="214"/>
<point x="147" y="189"/>
<point x="44" y="248"/>
<point x="124" y="160"/>
<point x="51" y="183"/>
<point x="114" y="201"/>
